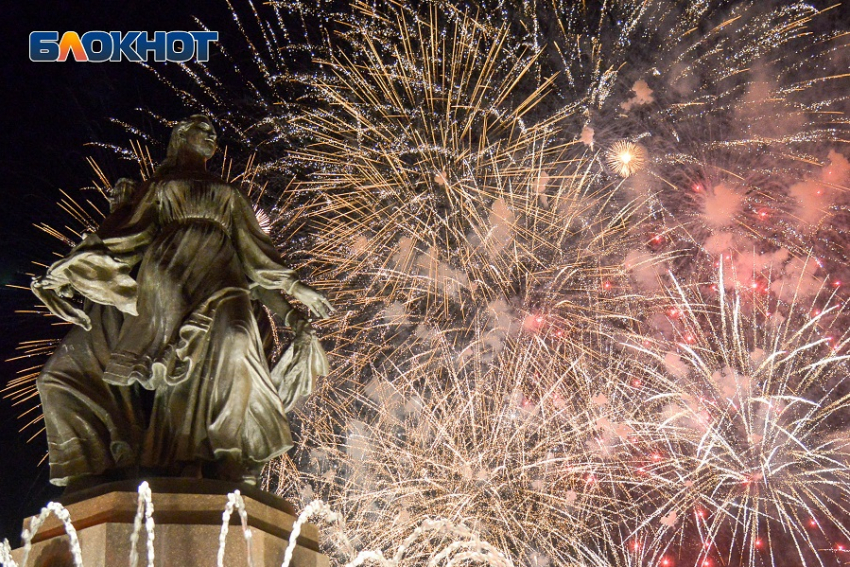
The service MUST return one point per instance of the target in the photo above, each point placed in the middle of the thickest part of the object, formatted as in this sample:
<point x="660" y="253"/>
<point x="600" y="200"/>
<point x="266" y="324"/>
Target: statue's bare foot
<point x="251" y="474"/>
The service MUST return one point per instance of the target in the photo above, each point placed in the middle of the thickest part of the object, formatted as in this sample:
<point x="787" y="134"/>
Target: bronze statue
<point x="173" y="281"/>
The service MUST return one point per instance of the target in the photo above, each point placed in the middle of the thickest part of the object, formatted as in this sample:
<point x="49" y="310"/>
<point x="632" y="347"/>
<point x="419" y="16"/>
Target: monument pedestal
<point x="188" y="517"/>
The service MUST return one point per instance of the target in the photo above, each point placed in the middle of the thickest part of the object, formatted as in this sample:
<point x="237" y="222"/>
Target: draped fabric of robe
<point x="185" y="327"/>
<point x="195" y="340"/>
<point x="91" y="426"/>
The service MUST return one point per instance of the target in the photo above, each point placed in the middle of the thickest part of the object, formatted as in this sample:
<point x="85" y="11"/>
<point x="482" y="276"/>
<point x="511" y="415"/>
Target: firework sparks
<point x="436" y="172"/>
<point x="626" y="158"/>
<point x="750" y="431"/>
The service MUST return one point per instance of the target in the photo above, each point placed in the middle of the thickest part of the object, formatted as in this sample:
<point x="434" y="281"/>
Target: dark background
<point x="50" y="112"/>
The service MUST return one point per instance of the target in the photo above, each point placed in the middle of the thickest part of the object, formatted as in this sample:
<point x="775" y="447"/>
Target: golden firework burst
<point x="626" y="158"/>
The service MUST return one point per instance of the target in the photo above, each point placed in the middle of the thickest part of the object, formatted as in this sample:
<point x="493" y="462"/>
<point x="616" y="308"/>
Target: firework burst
<point x="748" y="420"/>
<point x="530" y="452"/>
<point x="446" y="217"/>
<point x="626" y="158"/>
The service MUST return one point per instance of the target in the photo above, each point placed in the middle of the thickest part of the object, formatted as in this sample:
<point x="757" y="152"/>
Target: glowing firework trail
<point x="435" y="322"/>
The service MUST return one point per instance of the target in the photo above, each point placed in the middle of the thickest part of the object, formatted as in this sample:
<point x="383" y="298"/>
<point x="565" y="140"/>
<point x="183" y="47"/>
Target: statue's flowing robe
<point x="91" y="426"/>
<point x="195" y="340"/>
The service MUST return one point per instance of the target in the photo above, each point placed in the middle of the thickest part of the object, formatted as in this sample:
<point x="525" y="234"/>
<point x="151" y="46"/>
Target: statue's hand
<point x="317" y="303"/>
<point x="54" y="293"/>
<point x="303" y="330"/>
<point x="56" y="281"/>
<point x="295" y="320"/>
<point x="56" y="277"/>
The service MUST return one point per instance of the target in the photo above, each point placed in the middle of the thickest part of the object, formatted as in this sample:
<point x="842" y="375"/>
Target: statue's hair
<point x="178" y="135"/>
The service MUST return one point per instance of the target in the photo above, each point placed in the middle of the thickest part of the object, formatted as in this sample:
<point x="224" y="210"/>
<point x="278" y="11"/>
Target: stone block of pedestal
<point x="188" y="517"/>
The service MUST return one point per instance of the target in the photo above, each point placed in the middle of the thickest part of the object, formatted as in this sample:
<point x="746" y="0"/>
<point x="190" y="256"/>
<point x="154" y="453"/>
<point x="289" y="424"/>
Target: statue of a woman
<point x="188" y="331"/>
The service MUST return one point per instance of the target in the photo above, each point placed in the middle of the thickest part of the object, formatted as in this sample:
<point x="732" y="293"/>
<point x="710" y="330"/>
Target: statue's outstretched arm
<point x="262" y="263"/>
<point x="93" y="273"/>
<point x="304" y="360"/>
<point x="272" y="299"/>
<point x="99" y="267"/>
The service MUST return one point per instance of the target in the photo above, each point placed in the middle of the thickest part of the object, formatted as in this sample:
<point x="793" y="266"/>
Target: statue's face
<point x="200" y="138"/>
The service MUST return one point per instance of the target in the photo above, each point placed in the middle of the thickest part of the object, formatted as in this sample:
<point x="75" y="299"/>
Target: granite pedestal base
<point x="187" y="514"/>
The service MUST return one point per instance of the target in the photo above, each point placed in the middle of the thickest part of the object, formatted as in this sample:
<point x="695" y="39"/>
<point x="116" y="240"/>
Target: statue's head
<point x="121" y="193"/>
<point x="196" y="135"/>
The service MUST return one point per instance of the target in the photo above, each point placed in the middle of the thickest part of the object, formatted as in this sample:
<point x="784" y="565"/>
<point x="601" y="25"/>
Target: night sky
<point x="50" y="112"/>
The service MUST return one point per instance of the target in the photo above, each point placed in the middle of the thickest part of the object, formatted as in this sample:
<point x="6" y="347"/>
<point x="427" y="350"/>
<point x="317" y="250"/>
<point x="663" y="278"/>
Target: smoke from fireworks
<point x="589" y="264"/>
